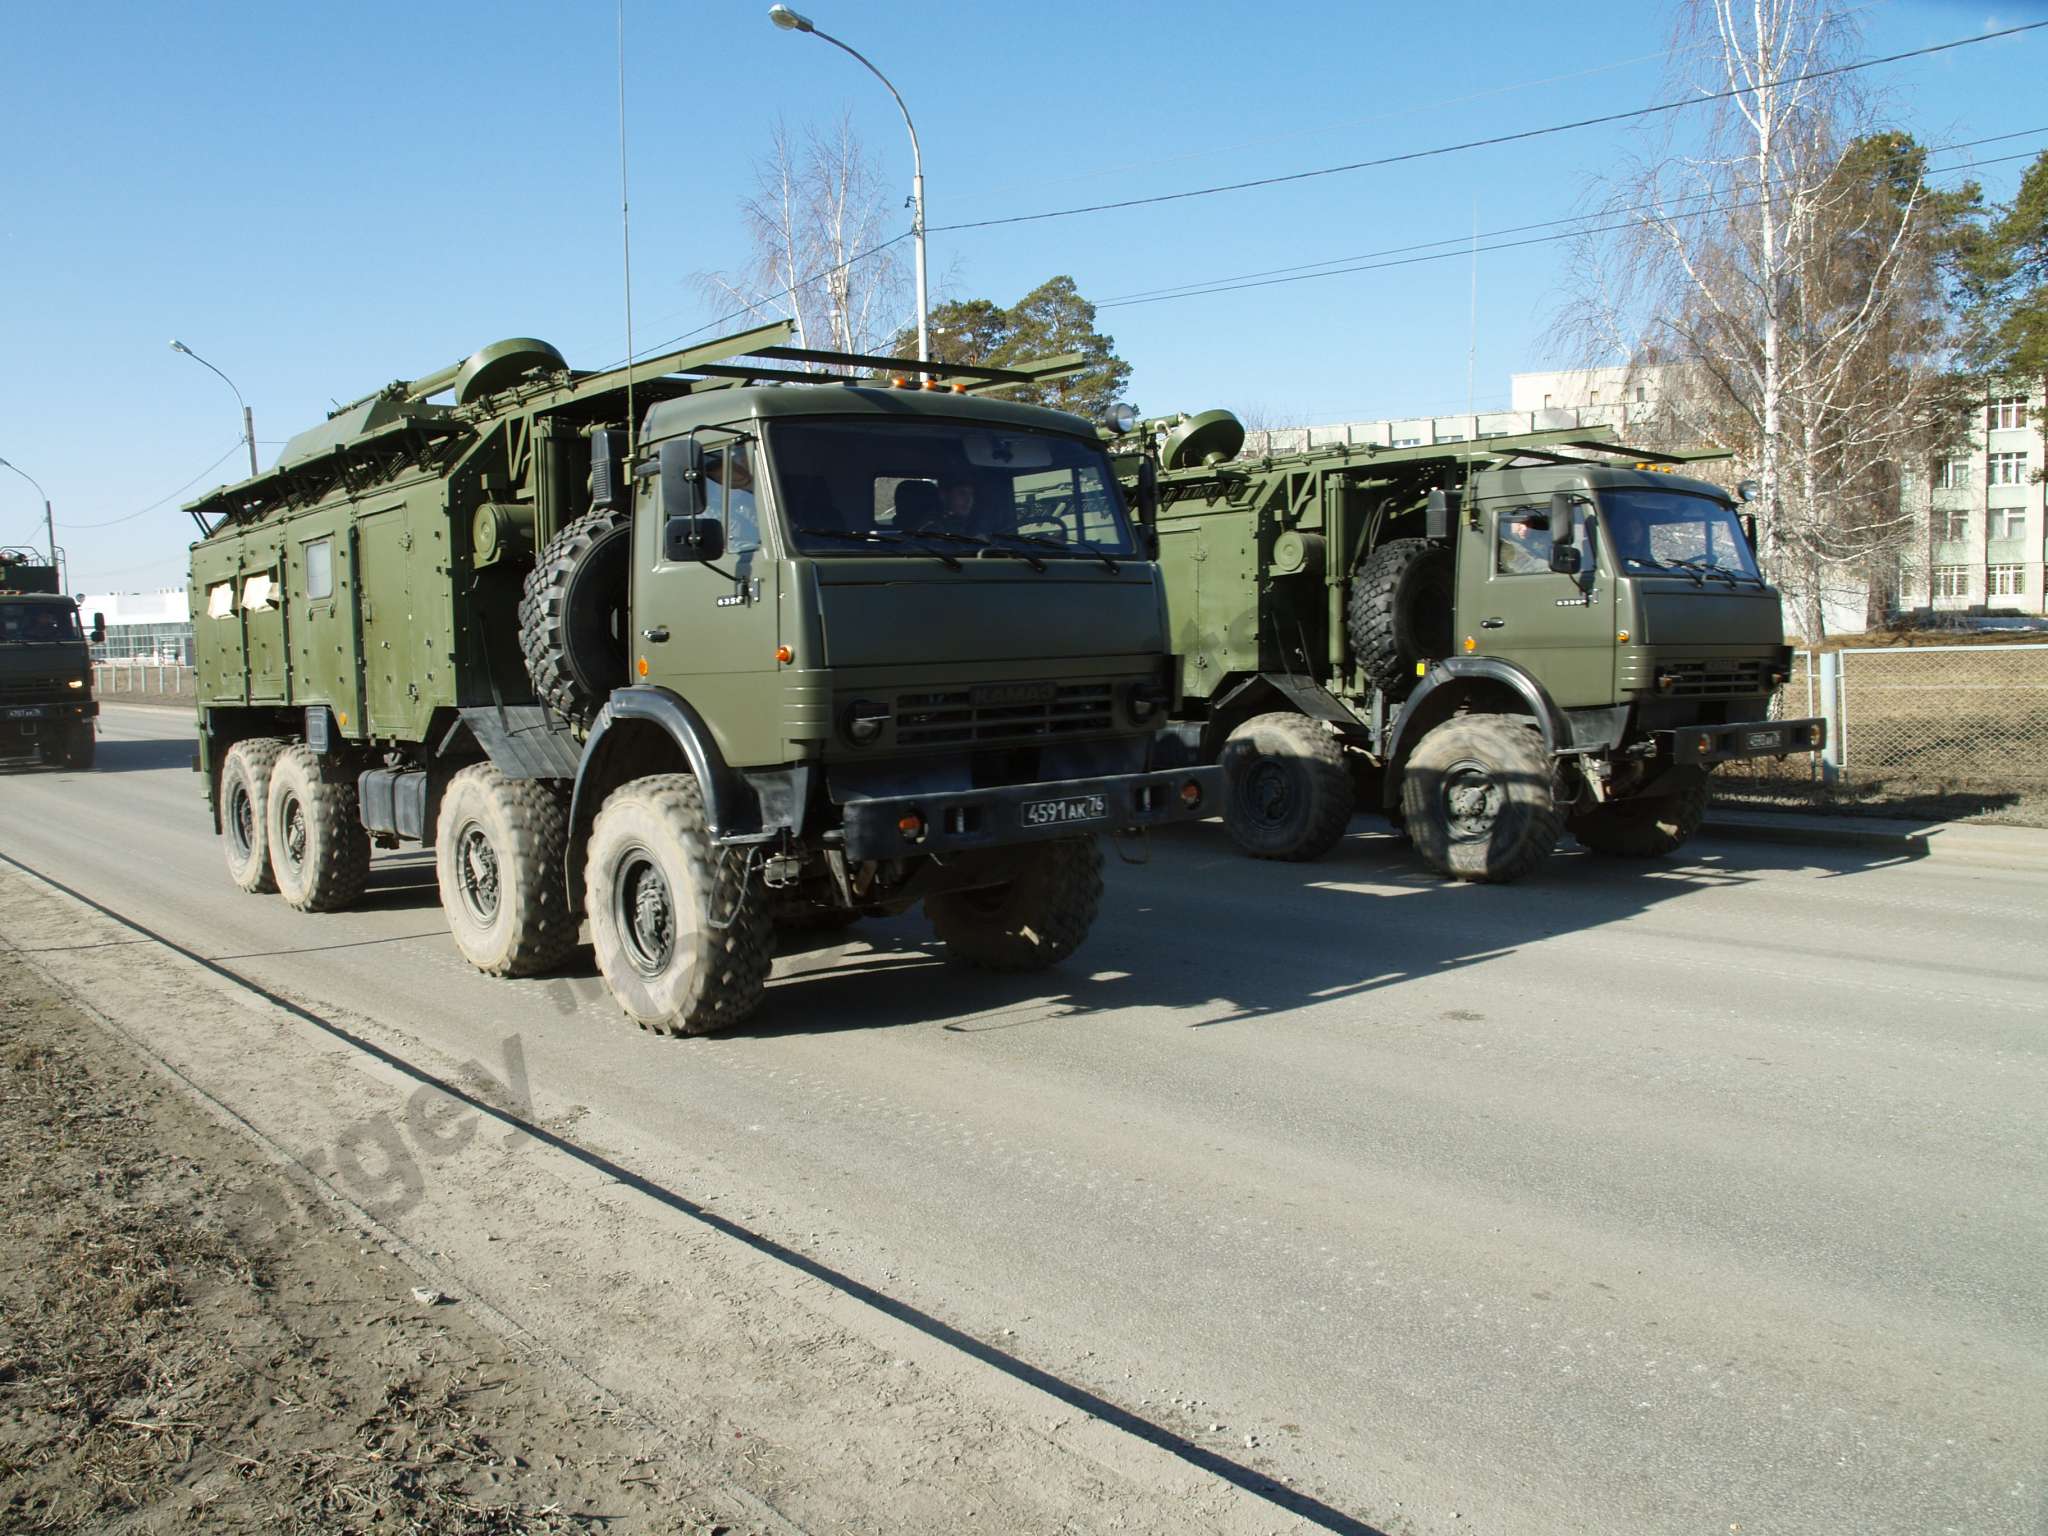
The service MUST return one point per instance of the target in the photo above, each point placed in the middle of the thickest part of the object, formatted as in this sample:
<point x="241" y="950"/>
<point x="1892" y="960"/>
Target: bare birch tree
<point x="1781" y="274"/>
<point x="818" y="223"/>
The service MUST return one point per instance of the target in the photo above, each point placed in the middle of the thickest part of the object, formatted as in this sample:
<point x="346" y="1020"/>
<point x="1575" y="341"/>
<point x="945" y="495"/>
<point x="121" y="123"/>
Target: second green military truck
<point x="716" y="640"/>
<point x="1489" y="641"/>
<point x="46" y="702"/>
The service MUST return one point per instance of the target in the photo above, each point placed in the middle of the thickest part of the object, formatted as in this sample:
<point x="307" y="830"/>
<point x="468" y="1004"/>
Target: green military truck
<point x="688" y="648"/>
<point x="1489" y="642"/>
<point x="46" y="702"/>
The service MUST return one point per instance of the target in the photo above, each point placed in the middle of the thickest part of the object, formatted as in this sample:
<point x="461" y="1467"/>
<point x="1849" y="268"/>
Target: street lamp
<point x="790" y="21"/>
<point x="49" y="522"/>
<point x="248" y="420"/>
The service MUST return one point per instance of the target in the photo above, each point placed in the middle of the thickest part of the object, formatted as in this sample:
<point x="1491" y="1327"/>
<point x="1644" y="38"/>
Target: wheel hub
<point x="1472" y="798"/>
<point x="1263" y="791"/>
<point x="476" y="865"/>
<point x="294" y="842"/>
<point x="646" y="914"/>
<point x="242" y="820"/>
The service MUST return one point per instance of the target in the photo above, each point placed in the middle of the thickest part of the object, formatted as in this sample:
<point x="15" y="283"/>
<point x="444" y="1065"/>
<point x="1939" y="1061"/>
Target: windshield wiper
<point x="1064" y="545"/>
<point x="879" y="536"/>
<point x="1733" y="578"/>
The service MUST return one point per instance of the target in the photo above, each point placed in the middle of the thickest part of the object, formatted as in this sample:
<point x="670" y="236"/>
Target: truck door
<point x="384" y="608"/>
<point x="708" y="630"/>
<point x="1511" y="604"/>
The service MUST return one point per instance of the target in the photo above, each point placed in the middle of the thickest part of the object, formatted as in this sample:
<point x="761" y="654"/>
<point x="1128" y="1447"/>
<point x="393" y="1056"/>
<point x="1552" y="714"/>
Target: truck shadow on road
<point x="125" y="756"/>
<point x="1221" y="939"/>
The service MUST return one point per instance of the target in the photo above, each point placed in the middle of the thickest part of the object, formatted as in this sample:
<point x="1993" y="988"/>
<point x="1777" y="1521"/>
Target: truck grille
<point x="1716" y="678"/>
<point x="1003" y="713"/>
<point x="13" y="690"/>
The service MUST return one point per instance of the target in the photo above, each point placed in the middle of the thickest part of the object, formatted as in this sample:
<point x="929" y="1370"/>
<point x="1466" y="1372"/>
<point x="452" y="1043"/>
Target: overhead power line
<point x="129" y="517"/>
<point x="1497" y="139"/>
<point x="1460" y="247"/>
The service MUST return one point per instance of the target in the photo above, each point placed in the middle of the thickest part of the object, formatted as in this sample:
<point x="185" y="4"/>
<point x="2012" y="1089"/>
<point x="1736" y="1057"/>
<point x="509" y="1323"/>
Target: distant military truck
<point x="46" y="702"/>
<point x="1489" y="642"/>
<point x="688" y="648"/>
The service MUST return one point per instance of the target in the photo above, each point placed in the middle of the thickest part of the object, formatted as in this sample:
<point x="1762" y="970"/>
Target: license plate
<point x="22" y="712"/>
<point x="1764" y="741"/>
<point x="1054" y="813"/>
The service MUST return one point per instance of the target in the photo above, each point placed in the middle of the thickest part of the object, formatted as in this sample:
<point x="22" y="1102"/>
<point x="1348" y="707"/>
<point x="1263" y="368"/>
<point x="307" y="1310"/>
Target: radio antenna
<point x="626" y="236"/>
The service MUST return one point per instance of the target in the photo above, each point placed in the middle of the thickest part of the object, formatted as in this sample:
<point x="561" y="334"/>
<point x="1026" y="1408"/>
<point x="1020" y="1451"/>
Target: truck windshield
<point x="868" y="487"/>
<point x="1678" y="532"/>
<point x="37" y="623"/>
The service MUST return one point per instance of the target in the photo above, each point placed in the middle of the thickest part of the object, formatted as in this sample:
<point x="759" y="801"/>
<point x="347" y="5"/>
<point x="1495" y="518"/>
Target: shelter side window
<point x="320" y="568"/>
<point x="220" y="600"/>
<point x="260" y="590"/>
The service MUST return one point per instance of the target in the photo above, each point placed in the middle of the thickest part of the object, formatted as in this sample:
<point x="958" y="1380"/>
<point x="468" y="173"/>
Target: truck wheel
<point x="682" y="935"/>
<point x="1477" y="798"/>
<point x="1031" y="922"/>
<point x="1288" y="788"/>
<point x="245" y="813"/>
<point x="81" y="747"/>
<point x="572" y="618"/>
<point x="319" y="851"/>
<point x="498" y="846"/>
<point x="1400" y="611"/>
<point x="1643" y="829"/>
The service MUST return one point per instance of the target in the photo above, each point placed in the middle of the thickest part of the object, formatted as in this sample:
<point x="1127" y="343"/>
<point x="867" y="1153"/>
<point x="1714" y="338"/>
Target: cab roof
<point x="770" y="402"/>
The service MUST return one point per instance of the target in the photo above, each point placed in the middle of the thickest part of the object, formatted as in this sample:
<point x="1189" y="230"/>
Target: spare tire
<point x="573" y="619"/>
<point x="1400" y="611"/>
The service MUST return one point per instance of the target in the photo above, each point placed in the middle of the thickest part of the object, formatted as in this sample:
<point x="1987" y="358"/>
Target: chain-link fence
<point x="1942" y="730"/>
<point x="141" y="680"/>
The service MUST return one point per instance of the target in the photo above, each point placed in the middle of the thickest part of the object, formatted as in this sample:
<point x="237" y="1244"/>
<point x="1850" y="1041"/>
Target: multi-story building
<point x="1980" y="508"/>
<point x="143" y="626"/>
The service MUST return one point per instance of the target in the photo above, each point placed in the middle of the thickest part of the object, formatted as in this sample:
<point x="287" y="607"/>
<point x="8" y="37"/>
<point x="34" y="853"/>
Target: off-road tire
<point x="319" y="850"/>
<point x="800" y="914"/>
<point x="81" y="747"/>
<point x="245" y="812"/>
<point x="573" y="619"/>
<point x="1400" y="611"/>
<point x="1030" y="922"/>
<point x="498" y="847"/>
<point x="1643" y="829"/>
<point x="1287" y="789"/>
<point x="1479" y="798"/>
<point x="653" y="886"/>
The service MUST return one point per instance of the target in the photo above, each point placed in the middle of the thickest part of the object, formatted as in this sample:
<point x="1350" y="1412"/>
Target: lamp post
<point x="49" y="522"/>
<point x="248" y="420"/>
<point x="790" y="21"/>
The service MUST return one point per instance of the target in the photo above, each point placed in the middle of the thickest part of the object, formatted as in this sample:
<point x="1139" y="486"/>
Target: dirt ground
<point x="188" y="1342"/>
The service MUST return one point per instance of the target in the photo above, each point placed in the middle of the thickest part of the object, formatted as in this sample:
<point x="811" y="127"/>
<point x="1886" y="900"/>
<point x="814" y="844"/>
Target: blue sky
<point x="321" y="198"/>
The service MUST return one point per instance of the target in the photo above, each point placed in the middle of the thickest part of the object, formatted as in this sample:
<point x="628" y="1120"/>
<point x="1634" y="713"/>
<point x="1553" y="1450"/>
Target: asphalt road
<point x="1699" y="1197"/>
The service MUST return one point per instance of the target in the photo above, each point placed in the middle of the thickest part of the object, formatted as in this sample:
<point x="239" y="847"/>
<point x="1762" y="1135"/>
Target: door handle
<point x="656" y="635"/>
<point x="1493" y="623"/>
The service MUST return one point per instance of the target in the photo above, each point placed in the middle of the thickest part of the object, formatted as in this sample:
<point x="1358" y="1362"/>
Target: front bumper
<point x="26" y="722"/>
<point x="1744" y="738"/>
<point x="952" y="821"/>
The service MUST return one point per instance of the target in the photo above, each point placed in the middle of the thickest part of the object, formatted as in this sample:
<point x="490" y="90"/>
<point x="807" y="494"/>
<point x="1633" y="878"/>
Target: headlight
<point x="76" y="682"/>
<point x="864" y="722"/>
<point x="1145" y="700"/>
<point x="1120" y="417"/>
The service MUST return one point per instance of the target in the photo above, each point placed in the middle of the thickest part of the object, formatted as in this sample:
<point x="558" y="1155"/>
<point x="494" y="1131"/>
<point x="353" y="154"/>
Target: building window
<point x="1642" y="395"/>
<point x="2006" y="469"/>
<point x="2007" y="522"/>
<point x="1450" y="437"/>
<point x="1952" y="475"/>
<point x="1951" y="581"/>
<point x="2008" y="411"/>
<point x="2006" y="581"/>
<point x="1955" y="525"/>
<point x="1547" y="403"/>
<point x="1407" y="442"/>
<point x="1595" y="398"/>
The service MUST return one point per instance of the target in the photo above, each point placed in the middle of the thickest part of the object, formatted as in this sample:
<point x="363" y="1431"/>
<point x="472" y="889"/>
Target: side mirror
<point x="1564" y="559"/>
<point x="1749" y="530"/>
<point x="1148" y="541"/>
<point x="1561" y="504"/>
<point x="1148" y="489"/>
<point x="99" y="629"/>
<point x="692" y="538"/>
<point x="682" y="482"/>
